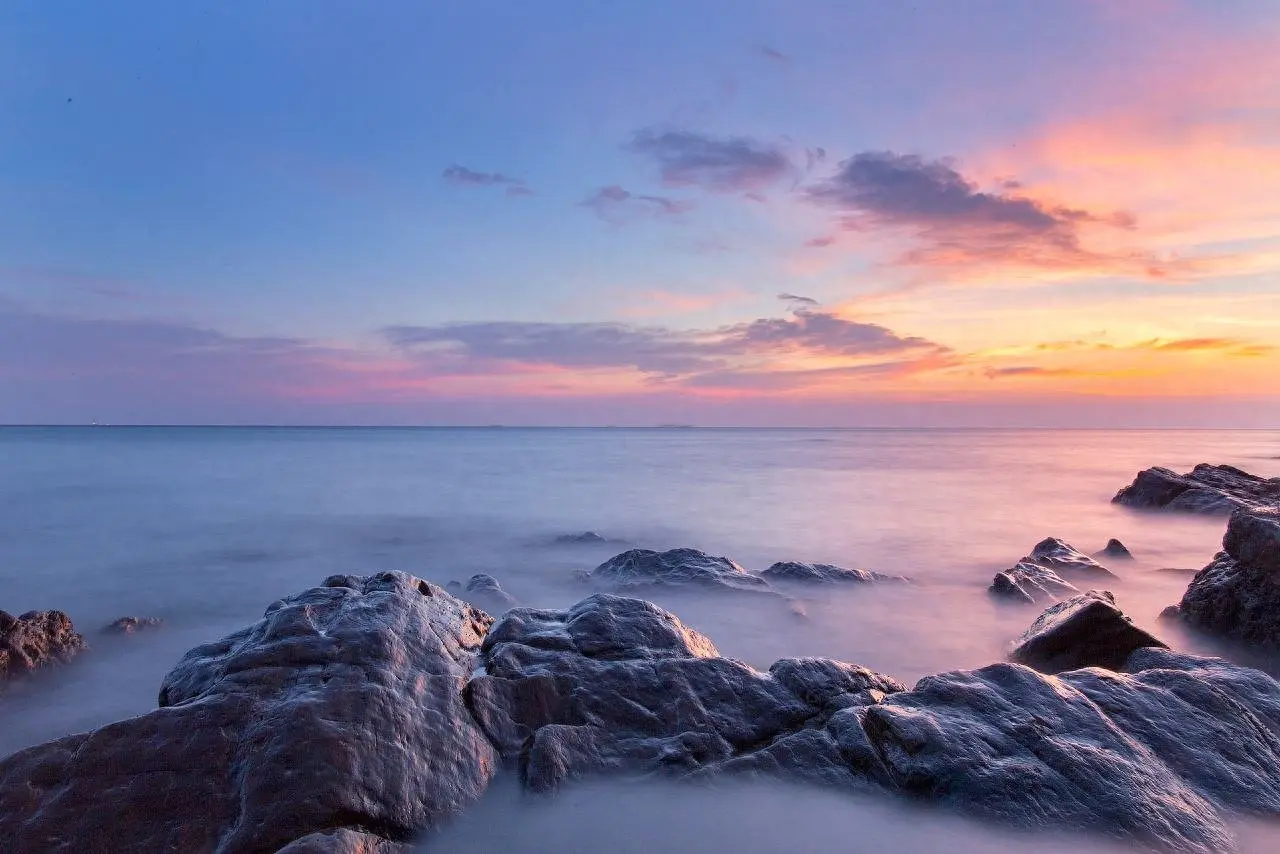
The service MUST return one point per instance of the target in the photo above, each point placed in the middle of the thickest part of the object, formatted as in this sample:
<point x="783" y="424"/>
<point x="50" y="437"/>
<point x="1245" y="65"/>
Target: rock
<point x="1115" y="550"/>
<point x="341" y="709"/>
<point x="35" y="640"/>
<point x="345" y="841"/>
<point x="130" y="625"/>
<point x="676" y="568"/>
<point x="1205" y="489"/>
<point x="1035" y="578"/>
<point x="1238" y="594"/>
<point x="824" y="573"/>
<point x="1171" y="612"/>
<point x="586" y="538"/>
<point x="1085" y="631"/>
<point x="487" y="594"/>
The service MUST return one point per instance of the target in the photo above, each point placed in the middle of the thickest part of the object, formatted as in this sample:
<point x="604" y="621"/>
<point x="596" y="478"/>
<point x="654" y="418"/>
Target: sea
<point x="205" y="527"/>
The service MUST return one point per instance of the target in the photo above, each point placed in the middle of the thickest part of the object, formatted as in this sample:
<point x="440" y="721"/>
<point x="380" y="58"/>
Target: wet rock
<point x="1171" y="612"/>
<point x="1238" y="594"/>
<point x="824" y="573"/>
<point x="341" y="709"/>
<point x="131" y="625"/>
<point x="1084" y="631"/>
<point x="586" y="538"/>
<point x="34" y="640"/>
<point x="1115" y="550"/>
<point x="487" y="594"/>
<point x="1036" y="577"/>
<point x="639" y="568"/>
<point x="345" y="841"/>
<point x="1205" y="489"/>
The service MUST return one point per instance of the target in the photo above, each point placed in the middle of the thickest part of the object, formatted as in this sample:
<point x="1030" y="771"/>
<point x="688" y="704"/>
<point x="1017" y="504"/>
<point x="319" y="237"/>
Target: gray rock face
<point x="1209" y="489"/>
<point x="1085" y="631"/>
<point x="676" y="568"/>
<point x="1036" y="577"/>
<point x="341" y="708"/>
<point x="35" y="640"/>
<point x="1238" y="594"/>
<point x="824" y="573"/>
<point x="131" y="625"/>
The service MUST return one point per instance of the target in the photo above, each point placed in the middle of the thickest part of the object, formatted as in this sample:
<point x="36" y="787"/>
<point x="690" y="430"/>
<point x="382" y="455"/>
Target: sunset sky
<point x="767" y="213"/>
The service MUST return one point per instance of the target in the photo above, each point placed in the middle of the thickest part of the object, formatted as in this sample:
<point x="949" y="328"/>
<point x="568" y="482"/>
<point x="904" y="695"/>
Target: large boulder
<point x="1238" y="594"/>
<point x="824" y="573"/>
<point x="1084" y="631"/>
<point x="1205" y="489"/>
<point x="35" y="640"/>
<point x="340" y="710"/>
<point x="1036" y="577"/>
<point x="685" y="567"/>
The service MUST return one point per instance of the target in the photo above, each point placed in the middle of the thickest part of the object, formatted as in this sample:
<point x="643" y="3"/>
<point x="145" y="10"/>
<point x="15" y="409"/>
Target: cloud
<point x="464" y="177"/>
<point x="769" y="53"/>
<point x="1028" y="371"/>
<point x="722" y="165"/>
<point x="615" y="204"/>
<point x="952" y="221"/>
<point x="797" y="300"/>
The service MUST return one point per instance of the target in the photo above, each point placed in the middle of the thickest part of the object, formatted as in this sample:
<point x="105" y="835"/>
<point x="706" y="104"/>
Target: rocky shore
<point x="360" y="714"/>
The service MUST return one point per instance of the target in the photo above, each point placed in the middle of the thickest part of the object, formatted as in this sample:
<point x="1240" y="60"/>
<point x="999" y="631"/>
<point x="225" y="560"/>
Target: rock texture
<point x="1238" y="594"/>
<point x="824" y="573"/>
<point x="586" y="538"/>
<point x="131" y="625"/>
<point x="1036" y="577"/>
<point x="1205" y="489"/>
<point x="1085" y="631"/>
<point x="34" y="640"/>
<point x="639" y="568"/>
<point x="341" y="709"/>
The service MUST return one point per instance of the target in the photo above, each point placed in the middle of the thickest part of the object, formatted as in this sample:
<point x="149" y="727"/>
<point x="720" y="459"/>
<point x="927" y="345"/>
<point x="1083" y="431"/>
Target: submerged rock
<point x="34" y="640"/>
<point x="341" y="709"/>
<point x="131" y="625"/>
<point x="1035" y="578"/>
<point x="1115" y="550"/>
<point x="1085" y="631"/>
<point x="487" y="594"/>
<point x="1205" y="489"/>
<point x="676" y="568"/>
<point x="586" y="538"/>
<point x="1238" y="594"/>
<point x="825" y="573"/>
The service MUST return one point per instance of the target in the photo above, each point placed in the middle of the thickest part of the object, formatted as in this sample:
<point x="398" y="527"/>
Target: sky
<point x="714" y="212"/>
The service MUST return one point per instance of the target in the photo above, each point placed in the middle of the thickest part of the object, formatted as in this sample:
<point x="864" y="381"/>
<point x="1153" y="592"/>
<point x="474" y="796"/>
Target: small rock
<point x="677" y="568"/>
<point x="486" y="593"/>
<point x="1084" y="631"/>
<point x="130" y="625"/>
<point x="1115" y="550"/>
<point x="586" y="538"/>
<point x="1172" y="612"/>
<point x="824" y="573"/>
<point x="34" y="640"/>
<point x="1035" y="578"/>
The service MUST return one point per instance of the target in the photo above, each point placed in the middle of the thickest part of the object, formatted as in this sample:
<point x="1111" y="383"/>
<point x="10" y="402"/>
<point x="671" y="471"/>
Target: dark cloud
<point x="723" y="165"/>
<point x="797" y="300"/>
<point x="465" y="177"/>
<point x="615" y="204"/>
<point x="953" y="219"/>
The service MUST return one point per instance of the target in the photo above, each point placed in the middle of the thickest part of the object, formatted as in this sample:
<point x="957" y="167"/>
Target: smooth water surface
<point x="204" y="527"/>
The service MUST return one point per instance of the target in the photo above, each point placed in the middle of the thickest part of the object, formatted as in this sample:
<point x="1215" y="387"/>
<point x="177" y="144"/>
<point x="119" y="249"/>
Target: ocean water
<point x="204" y="527"/>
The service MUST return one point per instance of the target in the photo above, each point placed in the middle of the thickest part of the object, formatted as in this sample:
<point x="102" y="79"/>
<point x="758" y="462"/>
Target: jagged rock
<point x="34" y="640"/>
<point x="130" y="625"/>
<point x="1084" y="631"/>
<point x="486" y="593"/>
<point x="345" y="841"/>
<point x="341" y="708"/>
<point x="824" y="573"/>
<point x="1205" y="489"/>
<point x="1115" y="550"/>
<point x="676" y="568"/>
<point x="1035" y="578"/>
<point x="1238" y="594"/>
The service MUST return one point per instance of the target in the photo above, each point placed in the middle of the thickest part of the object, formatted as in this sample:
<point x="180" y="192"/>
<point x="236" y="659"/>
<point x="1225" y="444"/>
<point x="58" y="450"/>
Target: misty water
<point x="204" y="527"/>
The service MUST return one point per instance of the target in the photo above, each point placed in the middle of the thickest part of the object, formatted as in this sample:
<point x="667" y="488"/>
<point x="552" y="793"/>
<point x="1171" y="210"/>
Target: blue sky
<point x="313" y="174"/>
